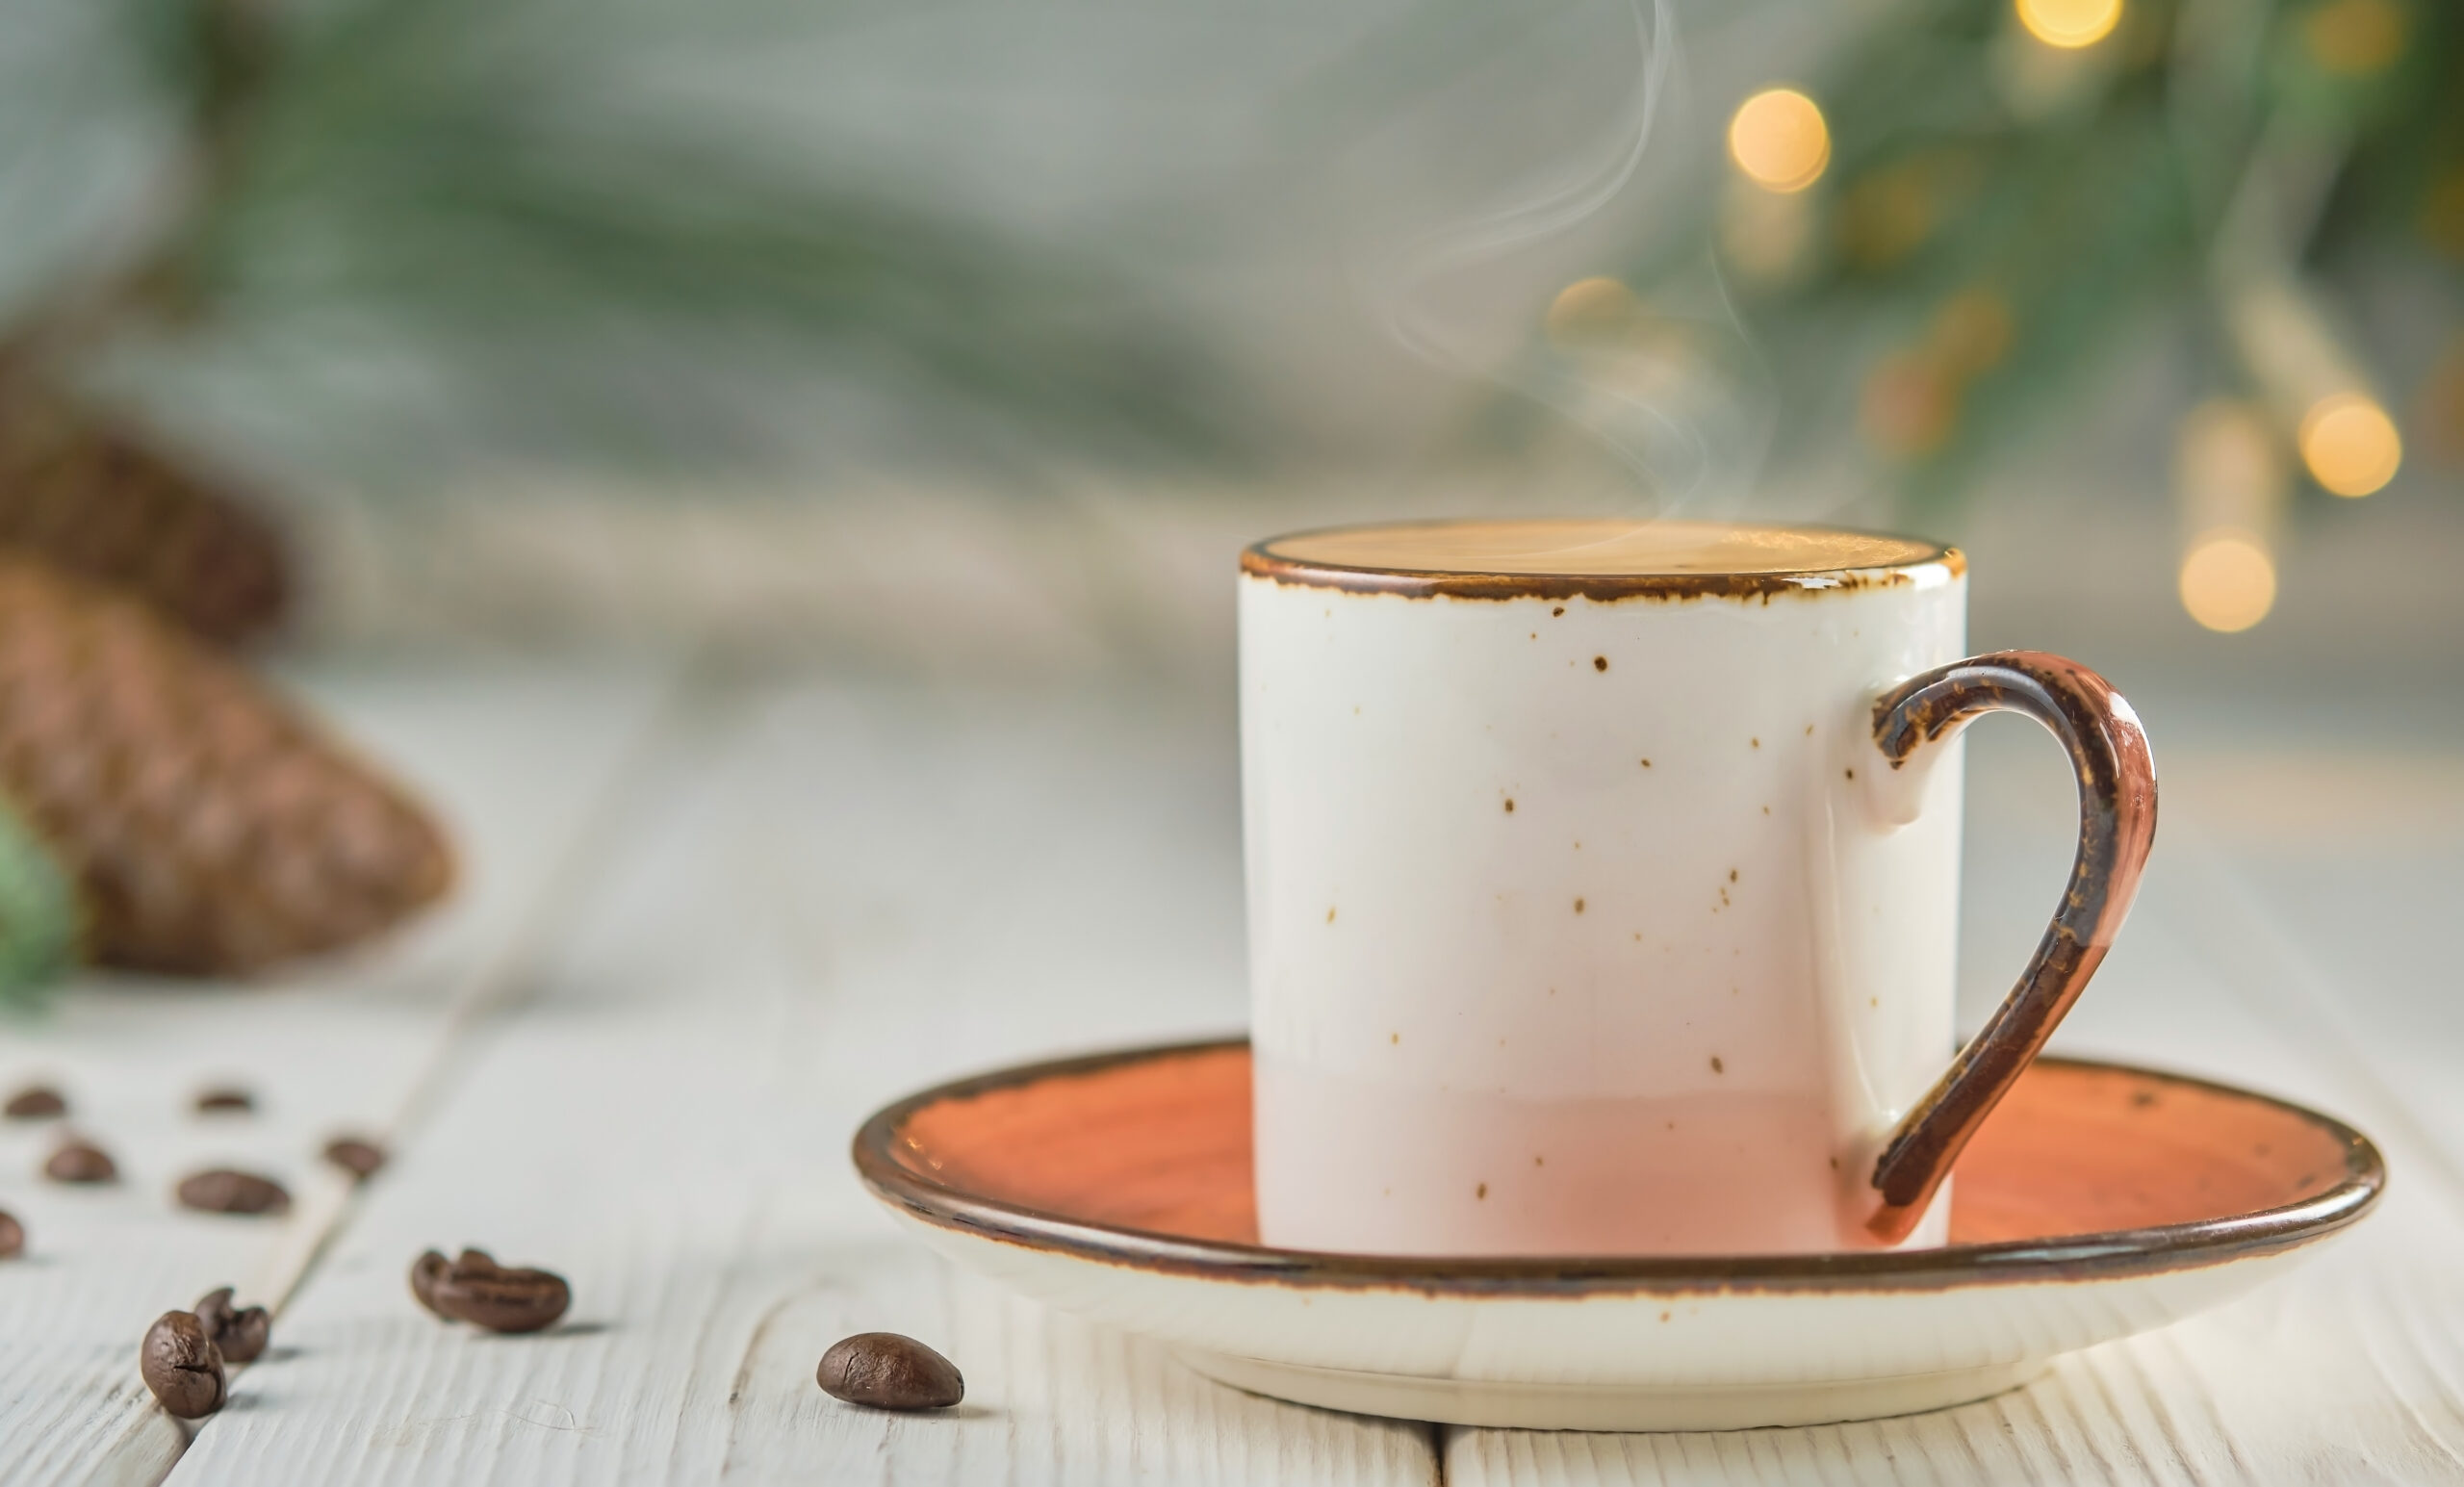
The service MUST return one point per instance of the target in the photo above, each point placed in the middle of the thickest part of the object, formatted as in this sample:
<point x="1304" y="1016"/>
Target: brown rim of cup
<point x="1267" y="560"/>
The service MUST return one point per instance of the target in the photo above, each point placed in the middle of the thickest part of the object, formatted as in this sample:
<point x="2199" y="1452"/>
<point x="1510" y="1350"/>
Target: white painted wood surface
<point x="517" y="761"/>
<point x="798" y="900"/>
<point x="819" y="900"/>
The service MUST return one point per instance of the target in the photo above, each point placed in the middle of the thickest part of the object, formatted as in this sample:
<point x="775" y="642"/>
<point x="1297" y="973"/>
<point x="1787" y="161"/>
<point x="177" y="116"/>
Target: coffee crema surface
<point x="1601" y="547"/>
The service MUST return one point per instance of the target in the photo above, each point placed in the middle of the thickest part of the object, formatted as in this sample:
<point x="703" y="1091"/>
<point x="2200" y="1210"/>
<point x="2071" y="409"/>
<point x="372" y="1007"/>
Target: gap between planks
<point x="2077" y="1410"/>
<point x="846" y="892"/>
<point x="514" y="757"/>
<point x="2344" y="1371"/>
<point x="489" y="987"/>
<point x="2278" y="977"/>
<point x="326" y="1201"/>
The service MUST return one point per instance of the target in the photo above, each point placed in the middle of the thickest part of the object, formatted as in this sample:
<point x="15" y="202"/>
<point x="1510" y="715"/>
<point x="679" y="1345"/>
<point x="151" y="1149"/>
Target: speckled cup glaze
<point x="1614" y="911"/>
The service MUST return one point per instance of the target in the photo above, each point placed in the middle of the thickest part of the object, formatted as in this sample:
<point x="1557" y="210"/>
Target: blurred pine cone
<point x="207" y="830"/>
<point x="89" y="500"/>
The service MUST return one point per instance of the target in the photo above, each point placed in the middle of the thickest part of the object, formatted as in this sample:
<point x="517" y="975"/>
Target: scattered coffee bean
<point x="239" y="1332"/>
<point x="888" y="1372"/>
<point x="36" y="1102"/>
<point x="180" y="1363"/>
<point x="502" y="1298"/>
<point x="226" y="1101"/>
<point x="80" y="1162"/>
<point x="223" y="1190"/>
<point x="12" y="1236"/>
<point x="361" y="1159"/>
<point x="425" y="1273"/>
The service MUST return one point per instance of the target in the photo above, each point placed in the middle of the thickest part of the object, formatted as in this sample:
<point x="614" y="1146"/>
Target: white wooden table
<point x="708" y="924"/>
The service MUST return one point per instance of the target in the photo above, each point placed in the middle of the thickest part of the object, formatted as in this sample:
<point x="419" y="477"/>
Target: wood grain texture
<point x="2349" y="1373"/>
<point x="512" y="760"/>
<point x="817" y="897"/>
<point x="820" y="899"/>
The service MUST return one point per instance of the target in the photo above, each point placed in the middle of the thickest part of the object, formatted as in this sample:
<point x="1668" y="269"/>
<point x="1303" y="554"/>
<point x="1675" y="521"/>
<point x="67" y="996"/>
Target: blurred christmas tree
<point x="1973" y="199"/>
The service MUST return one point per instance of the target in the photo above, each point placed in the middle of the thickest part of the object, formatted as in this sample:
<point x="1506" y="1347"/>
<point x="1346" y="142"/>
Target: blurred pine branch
<point x="519" y="230"/>
<point x="1998" y="215"/>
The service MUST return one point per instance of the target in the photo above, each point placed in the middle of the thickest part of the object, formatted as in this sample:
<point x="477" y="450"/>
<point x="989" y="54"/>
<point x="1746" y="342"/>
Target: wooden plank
<point x="2326" y="880"/>
<point x="2348" y="1370"/>
<point x="826" y="896"/>
<point x="860" y="891"/>
<point x="514" y="758"/>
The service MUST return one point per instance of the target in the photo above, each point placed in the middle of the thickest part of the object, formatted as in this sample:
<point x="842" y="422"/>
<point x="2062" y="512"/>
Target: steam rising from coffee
<point x="1667" y="383"/>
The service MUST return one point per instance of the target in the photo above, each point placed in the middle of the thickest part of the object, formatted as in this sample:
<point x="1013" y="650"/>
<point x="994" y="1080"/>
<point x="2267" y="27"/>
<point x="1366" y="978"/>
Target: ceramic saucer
<point x="2099" y="1201"/>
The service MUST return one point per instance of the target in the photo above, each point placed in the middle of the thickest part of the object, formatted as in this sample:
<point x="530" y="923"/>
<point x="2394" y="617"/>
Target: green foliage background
<point x="528" y="230"/>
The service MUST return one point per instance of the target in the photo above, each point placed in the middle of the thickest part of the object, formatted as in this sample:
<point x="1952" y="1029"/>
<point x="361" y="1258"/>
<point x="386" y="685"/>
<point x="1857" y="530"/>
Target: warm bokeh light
<point x="1589" y="310"/>
<point x="2069" y="24"/>
<point x="2356" y="39"/>
<point x="2228" y="582"/>
<point x="2350" y="443"/>
<point x="2441" y="416"/>
<point x="1779" y="140"/>
<point x="2442" y="218"/>
<point x="1888" y="214"/>
<point x="2229" y="468"/>
<point x="1972" y="332"/>
<point x="1910" y="407"/>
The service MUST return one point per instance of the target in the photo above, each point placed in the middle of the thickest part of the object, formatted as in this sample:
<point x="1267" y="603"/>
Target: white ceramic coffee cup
<point x="1603" y="884"/>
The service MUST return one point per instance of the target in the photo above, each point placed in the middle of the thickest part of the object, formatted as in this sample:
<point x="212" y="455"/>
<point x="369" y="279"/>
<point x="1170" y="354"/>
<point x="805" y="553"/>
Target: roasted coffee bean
<point x="80" y="1161"/>
<point x="223" y="1190"/>
<point x="430" y="1267"/>
<point x="502" y="1298"/>
<point x="887" y="1372"/>
<point x="425" y="1272"/>
<point x="361" y="1159"/>
<point x="180" y="1363"/>
<point x="239" y="1332"/>
<point x="36" y="1102"/>
<point x="12" y="1236"/>
<point x="224" y="1101"/>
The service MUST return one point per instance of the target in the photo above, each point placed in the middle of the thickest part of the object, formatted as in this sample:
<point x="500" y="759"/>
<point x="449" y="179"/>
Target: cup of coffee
<point x="1603" y="884"/>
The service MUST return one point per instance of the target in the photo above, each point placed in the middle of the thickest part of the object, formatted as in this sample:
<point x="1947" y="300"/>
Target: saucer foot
<point x="1530" y="1406"/>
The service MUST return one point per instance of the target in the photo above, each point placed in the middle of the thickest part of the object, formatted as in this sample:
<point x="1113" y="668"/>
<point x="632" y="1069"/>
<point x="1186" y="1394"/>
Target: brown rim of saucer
<point x="1262" y="560"/>
<point x="2075" y="1257"/>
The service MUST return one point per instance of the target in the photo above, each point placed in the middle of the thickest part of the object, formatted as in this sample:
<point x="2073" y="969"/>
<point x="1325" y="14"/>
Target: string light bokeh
<point x="2350" y="445"/>
<point x="1778" y="139"/>
<point x="2356" y="39"/>
<point x="2069" y="24"/>
<point x="2231" y="484"/>
<point x="1953" y="268"/>
<point x="2228" y="582"/>
<point x="1589" y="311"/>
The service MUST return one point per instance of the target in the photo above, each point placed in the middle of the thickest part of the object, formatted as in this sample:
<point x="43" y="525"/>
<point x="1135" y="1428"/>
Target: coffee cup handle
<point x="2116" y="826"/>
